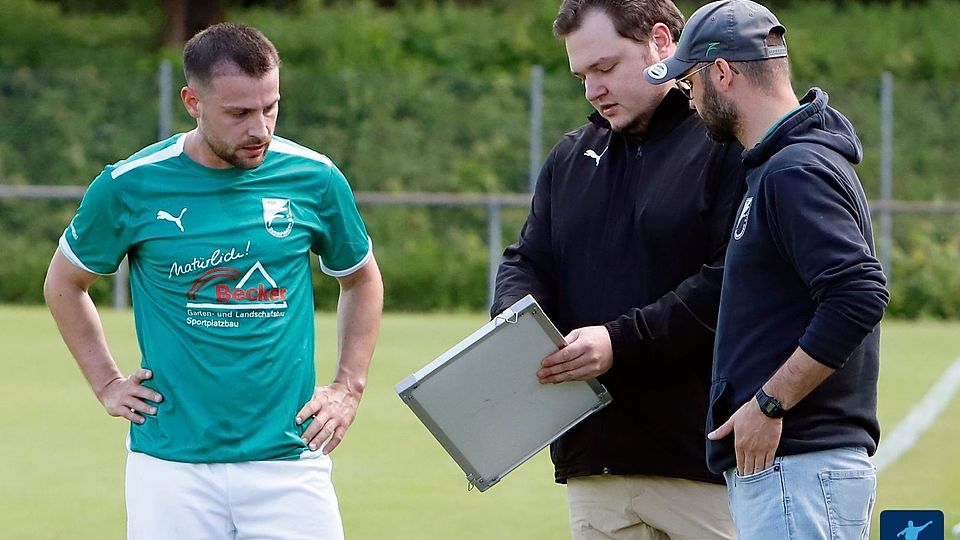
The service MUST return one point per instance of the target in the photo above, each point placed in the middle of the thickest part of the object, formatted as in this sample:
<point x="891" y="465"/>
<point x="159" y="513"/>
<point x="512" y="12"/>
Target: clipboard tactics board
<point x="482" y="400"/>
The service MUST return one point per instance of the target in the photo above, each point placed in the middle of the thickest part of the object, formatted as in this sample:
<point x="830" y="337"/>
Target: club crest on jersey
<point x="741" y="227"/>
<point x="277" y="217"/>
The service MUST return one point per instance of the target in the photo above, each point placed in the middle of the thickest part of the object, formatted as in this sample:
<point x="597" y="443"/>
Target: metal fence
<point x="884" y="209"/>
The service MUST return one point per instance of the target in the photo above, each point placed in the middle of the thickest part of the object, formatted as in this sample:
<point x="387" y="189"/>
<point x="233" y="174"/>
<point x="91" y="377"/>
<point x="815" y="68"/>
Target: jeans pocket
<point x="758" y="476"/>
<point x="849" y="496"/>
<point x="758" y="504"/>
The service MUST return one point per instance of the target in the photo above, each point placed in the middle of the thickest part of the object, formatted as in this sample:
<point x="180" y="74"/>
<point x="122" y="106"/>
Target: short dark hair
<point x="633" y="19"/>
<point x="239" y="45"/>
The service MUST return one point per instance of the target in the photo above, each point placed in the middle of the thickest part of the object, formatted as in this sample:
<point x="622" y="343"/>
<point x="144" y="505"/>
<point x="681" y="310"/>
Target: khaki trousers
<point x="647" y="508"/>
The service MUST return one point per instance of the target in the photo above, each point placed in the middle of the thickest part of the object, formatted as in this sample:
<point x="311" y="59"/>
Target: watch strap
<point x="769" y="405"/>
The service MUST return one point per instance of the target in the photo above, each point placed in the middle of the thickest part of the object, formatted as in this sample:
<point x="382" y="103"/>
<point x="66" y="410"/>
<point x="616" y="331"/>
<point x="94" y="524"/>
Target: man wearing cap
<point x="623" y="248"/>
<point x="793" y="411"/>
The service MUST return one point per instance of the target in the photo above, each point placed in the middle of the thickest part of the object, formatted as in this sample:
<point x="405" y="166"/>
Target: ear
<point x="191" y="101"/>
<point x="723" y="75"/>
<point x="662" y="40"/>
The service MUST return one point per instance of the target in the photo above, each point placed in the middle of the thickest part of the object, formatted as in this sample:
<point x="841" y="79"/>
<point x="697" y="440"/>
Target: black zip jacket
<point x="630" y="233"/>
<point x="801" y="270"/>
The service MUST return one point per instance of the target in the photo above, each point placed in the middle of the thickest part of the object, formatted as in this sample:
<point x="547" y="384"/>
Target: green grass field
<point x="62" y="458"/>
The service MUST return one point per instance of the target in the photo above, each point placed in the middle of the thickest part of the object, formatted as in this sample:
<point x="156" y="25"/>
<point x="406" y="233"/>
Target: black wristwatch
<point x="769" y="405"/>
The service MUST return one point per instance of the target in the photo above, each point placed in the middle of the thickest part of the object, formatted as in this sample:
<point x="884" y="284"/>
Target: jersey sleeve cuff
<point x="343" y="273"/>
<point x="74" y="260"/>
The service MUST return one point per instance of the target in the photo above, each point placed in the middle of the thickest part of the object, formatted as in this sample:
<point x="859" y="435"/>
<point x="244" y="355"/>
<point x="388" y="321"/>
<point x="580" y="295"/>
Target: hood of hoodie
<point x="814" y="123"/>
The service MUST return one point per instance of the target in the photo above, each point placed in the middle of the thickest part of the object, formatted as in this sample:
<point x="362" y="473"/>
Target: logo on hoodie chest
<point x="591" y="153"/>
<point x="741" y="226"/>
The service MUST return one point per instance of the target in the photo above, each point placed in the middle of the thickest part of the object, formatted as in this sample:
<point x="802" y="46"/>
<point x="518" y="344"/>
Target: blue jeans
<point x="817" y="495"/>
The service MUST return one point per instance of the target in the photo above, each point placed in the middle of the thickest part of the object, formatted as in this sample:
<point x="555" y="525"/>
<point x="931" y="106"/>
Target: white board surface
<point x="482" y="400"/>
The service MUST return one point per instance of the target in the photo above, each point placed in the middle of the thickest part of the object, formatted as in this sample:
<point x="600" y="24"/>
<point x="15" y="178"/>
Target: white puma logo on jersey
<point x="591" y="154"/>
<point x="167" y="216"/>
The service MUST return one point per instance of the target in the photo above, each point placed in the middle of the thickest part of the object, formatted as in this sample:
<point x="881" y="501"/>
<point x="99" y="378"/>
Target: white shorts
<point x="251" y="500"/>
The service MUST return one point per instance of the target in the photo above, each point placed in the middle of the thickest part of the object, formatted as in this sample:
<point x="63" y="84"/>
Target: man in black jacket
<point x="623" y="249"/>
<point x="793" y="407"/>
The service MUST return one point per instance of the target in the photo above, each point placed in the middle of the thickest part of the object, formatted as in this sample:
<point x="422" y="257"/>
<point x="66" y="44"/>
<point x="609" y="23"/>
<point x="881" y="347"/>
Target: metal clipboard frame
<point x="483" y="403"/>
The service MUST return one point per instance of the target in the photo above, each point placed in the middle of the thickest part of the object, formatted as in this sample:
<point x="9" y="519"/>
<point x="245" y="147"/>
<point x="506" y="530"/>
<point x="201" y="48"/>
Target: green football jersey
<point x="221" y="285"/>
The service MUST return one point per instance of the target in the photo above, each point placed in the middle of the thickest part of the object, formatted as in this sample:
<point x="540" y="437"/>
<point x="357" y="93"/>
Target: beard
<point x="718" y="115"/>
<point x="231" y="155"/>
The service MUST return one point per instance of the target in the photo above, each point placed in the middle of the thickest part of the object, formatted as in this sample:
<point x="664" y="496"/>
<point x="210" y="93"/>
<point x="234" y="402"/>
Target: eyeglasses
<point x="685" y="84"/>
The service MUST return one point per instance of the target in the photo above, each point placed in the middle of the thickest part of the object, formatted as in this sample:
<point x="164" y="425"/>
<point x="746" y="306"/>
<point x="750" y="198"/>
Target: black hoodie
<point x="800" y="271"/>
<point x="630" y="233"/>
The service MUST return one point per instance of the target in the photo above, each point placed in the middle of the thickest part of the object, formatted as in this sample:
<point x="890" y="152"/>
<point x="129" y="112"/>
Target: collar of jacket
<point x="672" y="109"/>
<point x="815" y="101"/>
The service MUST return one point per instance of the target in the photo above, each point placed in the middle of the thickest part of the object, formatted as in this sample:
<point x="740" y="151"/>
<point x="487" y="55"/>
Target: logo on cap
<point x="711" y="47"/>
<point x="657" y="71"/>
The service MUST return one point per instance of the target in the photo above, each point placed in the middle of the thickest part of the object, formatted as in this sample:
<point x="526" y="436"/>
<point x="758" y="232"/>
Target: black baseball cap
<point x="735" y="30"/>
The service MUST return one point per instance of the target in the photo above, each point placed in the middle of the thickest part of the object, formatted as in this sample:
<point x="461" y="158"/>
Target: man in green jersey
<point x="229" y="433"/>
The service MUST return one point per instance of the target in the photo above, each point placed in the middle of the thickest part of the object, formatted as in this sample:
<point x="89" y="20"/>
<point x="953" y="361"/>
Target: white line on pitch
<point x="921" y="417"/>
